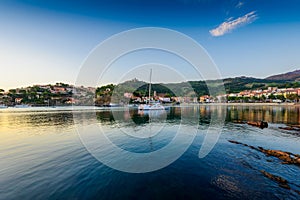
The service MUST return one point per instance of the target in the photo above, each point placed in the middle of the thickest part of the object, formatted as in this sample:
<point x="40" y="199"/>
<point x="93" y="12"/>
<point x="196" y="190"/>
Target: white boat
<point x="156" y="106"/>
<point x="22" y="106"/>
<point x="151" y="106"/>
<point x="3" y="106"/>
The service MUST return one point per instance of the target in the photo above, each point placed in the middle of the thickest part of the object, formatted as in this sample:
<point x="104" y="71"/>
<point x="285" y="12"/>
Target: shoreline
<point x="75" y="107"/>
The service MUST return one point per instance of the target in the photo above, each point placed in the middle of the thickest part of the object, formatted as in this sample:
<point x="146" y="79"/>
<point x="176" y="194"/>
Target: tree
<point x="254" y="98"/>
<point x="292" y="97"/>
<point x="167" y="95"/>
<point x="246" y="99"/>
<point x="281" y="97"/>
<point x="12" y="91"/>
<point x="232" y="98"/>
<point x="105" y="90"/>
<point x="1" y="92"/>
<point x="272" y="96"/>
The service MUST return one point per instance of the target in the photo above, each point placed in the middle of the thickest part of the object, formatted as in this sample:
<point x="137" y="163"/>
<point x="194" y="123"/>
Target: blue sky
<point x="47" y="41"/>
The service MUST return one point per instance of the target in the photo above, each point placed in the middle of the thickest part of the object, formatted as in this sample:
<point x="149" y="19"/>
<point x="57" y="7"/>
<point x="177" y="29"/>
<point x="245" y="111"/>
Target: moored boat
<point x="22" y="106"/>
<point x="3" y="106"/>
<point x="156" y="106"/>
<point x="151" y="106"/>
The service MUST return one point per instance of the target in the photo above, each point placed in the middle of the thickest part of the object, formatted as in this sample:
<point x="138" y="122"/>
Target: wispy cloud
<point x="230" y="25"/>
<point x="239" y="4"/>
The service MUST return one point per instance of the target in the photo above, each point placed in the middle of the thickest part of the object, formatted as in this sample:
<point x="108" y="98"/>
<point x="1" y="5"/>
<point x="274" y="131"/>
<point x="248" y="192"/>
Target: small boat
<point x="156" y="106"/>
<point x="3" y="106"/>
<point x="22" y="106"/>
<point x="151" y="106"/>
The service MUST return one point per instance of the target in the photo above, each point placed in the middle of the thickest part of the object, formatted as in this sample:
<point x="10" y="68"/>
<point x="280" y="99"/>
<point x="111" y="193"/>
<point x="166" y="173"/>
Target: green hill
<point x="232" y="85"/>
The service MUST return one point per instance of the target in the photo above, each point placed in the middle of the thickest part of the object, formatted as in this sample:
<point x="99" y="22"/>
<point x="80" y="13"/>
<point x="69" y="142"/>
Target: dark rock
<point x="252" y="147"/>
<point x="289" y="128"/>
<point x="286" y="157"/>
<point x="286" y="186"/>
<point x="235" y="142"/>
<point x="281" y="181"/>
<point x="260" y="148"/>
<point x="260" y="124"/>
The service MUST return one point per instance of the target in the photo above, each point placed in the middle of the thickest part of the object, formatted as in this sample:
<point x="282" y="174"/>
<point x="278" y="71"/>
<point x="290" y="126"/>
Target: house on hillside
<point x="18" y="100"/>
<point x="206" y="99"/>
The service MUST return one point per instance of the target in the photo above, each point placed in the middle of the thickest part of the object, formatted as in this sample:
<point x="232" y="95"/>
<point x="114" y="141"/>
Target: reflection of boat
<point x="3" y="106"/>
<point x="151" y="106"/>
<point x="155" y="106"/>
<point x="113" y="105"/>
<point x="22" y="106"/>
<point x="153" y="113"/>
<point x="132" y="105"/>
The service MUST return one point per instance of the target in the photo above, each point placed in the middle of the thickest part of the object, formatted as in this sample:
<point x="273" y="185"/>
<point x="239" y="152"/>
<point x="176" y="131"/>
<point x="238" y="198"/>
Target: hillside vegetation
<point x="231" y="85"/>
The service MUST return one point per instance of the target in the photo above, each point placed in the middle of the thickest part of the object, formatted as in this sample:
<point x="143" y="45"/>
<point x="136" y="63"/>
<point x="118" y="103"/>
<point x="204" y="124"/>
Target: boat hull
<point x="151" y="107"/>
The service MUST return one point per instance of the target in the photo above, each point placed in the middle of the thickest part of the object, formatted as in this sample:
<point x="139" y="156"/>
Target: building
<point x="18" y="100"/>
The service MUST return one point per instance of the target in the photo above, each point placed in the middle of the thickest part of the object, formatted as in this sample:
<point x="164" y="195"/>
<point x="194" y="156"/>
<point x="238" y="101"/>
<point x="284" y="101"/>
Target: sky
<point x="45" y="42"/>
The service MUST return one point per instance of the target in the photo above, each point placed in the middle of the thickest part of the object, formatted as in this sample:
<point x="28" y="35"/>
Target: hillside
<point x="232" y="85"/>
<point x="61" y="93"/>
<point x="289" y="76"/>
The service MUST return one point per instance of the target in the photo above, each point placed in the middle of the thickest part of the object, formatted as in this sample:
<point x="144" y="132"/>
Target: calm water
<point x="42" y="156"/>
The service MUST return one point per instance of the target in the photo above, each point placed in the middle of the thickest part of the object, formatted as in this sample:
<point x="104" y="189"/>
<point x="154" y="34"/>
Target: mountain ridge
<point x="232" y="85"/>
<point x="288" y="76"/>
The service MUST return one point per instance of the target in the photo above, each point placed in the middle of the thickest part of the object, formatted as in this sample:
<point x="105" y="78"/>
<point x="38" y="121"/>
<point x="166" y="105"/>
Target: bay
<point x="43" y="154"/>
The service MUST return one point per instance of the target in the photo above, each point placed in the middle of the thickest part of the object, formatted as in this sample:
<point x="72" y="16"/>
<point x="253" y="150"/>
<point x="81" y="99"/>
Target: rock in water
<point x="286" y="157"/>
<point x="260" y="124"/>
<point x="281" y="181"/>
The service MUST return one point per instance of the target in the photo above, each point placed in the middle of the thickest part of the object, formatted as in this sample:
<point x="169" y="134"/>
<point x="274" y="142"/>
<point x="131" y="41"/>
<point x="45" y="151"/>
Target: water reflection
<point x="63" y="119"/>
<point x="184" y="115"/>
<point x="40" y="120"/>
<point x="272" y="114"/>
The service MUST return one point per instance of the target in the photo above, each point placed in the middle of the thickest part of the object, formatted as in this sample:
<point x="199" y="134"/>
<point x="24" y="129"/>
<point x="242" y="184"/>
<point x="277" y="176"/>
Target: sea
<point x="183" y="152"/>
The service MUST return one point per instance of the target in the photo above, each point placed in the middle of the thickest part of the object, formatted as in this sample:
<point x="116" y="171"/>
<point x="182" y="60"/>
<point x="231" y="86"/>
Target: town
<point x="46" y="95"/>
<point x="270" y="95"/>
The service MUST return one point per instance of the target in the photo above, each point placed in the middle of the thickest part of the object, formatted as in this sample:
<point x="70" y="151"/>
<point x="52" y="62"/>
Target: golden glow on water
<point x="33" y="129"/>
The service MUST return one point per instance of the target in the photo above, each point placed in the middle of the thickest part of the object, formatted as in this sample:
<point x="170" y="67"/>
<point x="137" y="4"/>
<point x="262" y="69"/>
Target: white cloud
<point x="230" y="25"/>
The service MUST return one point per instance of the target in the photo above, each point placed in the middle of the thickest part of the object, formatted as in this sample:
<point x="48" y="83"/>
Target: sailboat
<point x="149" y="105"/>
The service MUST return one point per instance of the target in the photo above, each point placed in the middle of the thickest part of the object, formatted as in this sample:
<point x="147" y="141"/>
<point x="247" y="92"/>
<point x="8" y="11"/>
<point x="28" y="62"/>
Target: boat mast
<point x="150" y="84"/>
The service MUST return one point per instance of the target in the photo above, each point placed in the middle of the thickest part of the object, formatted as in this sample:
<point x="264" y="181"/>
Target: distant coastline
<point x="282" y="89"/>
